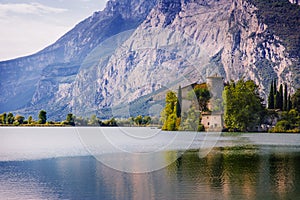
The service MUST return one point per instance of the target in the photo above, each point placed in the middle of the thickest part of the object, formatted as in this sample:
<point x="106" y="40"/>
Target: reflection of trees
<point x="241" y="171"/>
<point x="282" y="174"/>
<point x="225" y="173"/>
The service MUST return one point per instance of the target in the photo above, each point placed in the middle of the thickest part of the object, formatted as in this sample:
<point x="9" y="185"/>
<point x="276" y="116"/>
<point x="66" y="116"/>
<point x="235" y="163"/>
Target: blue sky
<point x="27" y="26"/>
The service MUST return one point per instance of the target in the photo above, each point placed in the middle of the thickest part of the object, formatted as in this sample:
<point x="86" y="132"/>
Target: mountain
<point x="119" y="61"/>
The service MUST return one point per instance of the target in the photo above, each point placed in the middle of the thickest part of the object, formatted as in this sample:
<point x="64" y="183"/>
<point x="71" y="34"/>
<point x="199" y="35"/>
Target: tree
<point x="280" y="103"/>
<point x="112" y="122"/>
<point x="10" y="118"/>
<point x="42" y="117"/>
<point x="289" y="103"/>
<point x="70" y="119"/>
<point x="271" y="97"/>
<point x="296" y="100"/>
<point x="192" y="120"/>
<point x="3" y="117"/>
<point x="289" y="122"/>
<point x="20" y="119"/>
<point x="30" y="120"/>
<point x="274" y="86"/>
<point x="202" y="95"/>
<point x="93" y="121"/>
<point x="277" y="100"/>
<point x="146" y="120"/>
<point x="179" y="103"/>
<point x="285" y="98"/>
<point x="243" y="106"/>
<point x="138" y="120"/>
<point x="168" y="115"/>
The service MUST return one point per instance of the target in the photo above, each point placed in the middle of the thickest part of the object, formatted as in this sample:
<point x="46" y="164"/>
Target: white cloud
<point x="31" y="8"/>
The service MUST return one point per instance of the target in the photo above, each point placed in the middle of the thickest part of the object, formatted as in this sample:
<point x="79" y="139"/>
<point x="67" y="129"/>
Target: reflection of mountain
<point x="135" y="47"/>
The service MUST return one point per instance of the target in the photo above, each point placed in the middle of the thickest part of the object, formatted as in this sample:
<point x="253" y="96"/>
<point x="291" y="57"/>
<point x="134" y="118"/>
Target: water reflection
<point x="226" y="173"/>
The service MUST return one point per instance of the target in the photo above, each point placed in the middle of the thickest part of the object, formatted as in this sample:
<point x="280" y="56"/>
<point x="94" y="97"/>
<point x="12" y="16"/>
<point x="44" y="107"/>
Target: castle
<point x="213" y="120"/>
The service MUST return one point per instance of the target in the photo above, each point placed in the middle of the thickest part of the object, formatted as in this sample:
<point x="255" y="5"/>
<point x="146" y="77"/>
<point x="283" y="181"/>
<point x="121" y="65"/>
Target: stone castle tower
<point x="213" y="120"/>
<point x="215" y="86"/>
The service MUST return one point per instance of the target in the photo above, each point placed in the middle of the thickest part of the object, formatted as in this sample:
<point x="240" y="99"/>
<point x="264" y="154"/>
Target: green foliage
<point x="296" y="100"/>
<point x="3" y="118"/>
<point x="201" y="128"/>
<point x="168" y="115"/>
<point x="20" y="119"/>
<point x="171" y="122"/>
<point x="146" y="120"/>
<point x="30" y="120"/>
<point x="202" y="95"/>
<point x="271" y="97"/>
<point x="275" y="87"/>
<point x="70" y="120"/>
<point x="244" y="109"/>
<point x="94" y="121"/>
<point x="280" y="103"/>
<point x="277" y="100"/>
<point x="191" y="121"/>
<point x="179" y="103"/>
<point x="42" y="117"/>
<point x="10" y="118"/>
<point x="110" y="122"/>
<point x="289" y="103"/>
<point x="16" y="123"/>
<point x="289" y="122"/>
<point x="285" y="98"/>
<point x="138" y="120"/>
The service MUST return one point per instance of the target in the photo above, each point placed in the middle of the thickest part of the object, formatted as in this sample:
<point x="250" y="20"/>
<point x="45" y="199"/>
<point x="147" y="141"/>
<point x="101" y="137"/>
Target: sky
<point x="28" y="26"/>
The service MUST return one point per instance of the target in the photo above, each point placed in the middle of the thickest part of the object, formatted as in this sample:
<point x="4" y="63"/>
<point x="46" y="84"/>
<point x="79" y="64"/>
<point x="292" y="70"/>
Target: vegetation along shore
<point x="240" y="106"/>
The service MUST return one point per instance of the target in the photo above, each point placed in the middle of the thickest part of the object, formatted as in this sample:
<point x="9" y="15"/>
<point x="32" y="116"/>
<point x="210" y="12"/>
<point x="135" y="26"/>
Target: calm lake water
<point x="49" y="163"/>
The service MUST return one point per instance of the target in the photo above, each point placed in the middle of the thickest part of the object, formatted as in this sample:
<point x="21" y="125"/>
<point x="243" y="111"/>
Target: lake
<point x="144" y="163"/>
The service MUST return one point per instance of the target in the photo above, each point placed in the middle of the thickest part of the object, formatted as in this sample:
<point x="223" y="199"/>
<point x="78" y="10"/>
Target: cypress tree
<point x="275" y="86"/>
<point x="280" y="103"/>
<point x="277" y="100"/>
<point x="289" y="103"/>
<point x="42" y="117"/>
<point x="179" y="102"/>
<point x="285" y="98"/>
<point x="271" y="97"/>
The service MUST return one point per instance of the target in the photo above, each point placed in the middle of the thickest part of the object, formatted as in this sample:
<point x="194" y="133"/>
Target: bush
<point x="201" y="128"/>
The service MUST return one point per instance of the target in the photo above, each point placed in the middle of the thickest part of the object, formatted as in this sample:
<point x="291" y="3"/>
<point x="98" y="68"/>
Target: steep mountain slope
<point x="33" y="82"/>
<point x="203" y="37"/>
<point x="118" y="59"/>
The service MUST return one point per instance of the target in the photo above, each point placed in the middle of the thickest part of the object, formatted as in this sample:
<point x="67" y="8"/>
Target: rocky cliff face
<point x="45" y="80"/>
<point x="200" y="39"/>
<point x="127" y="52"/>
